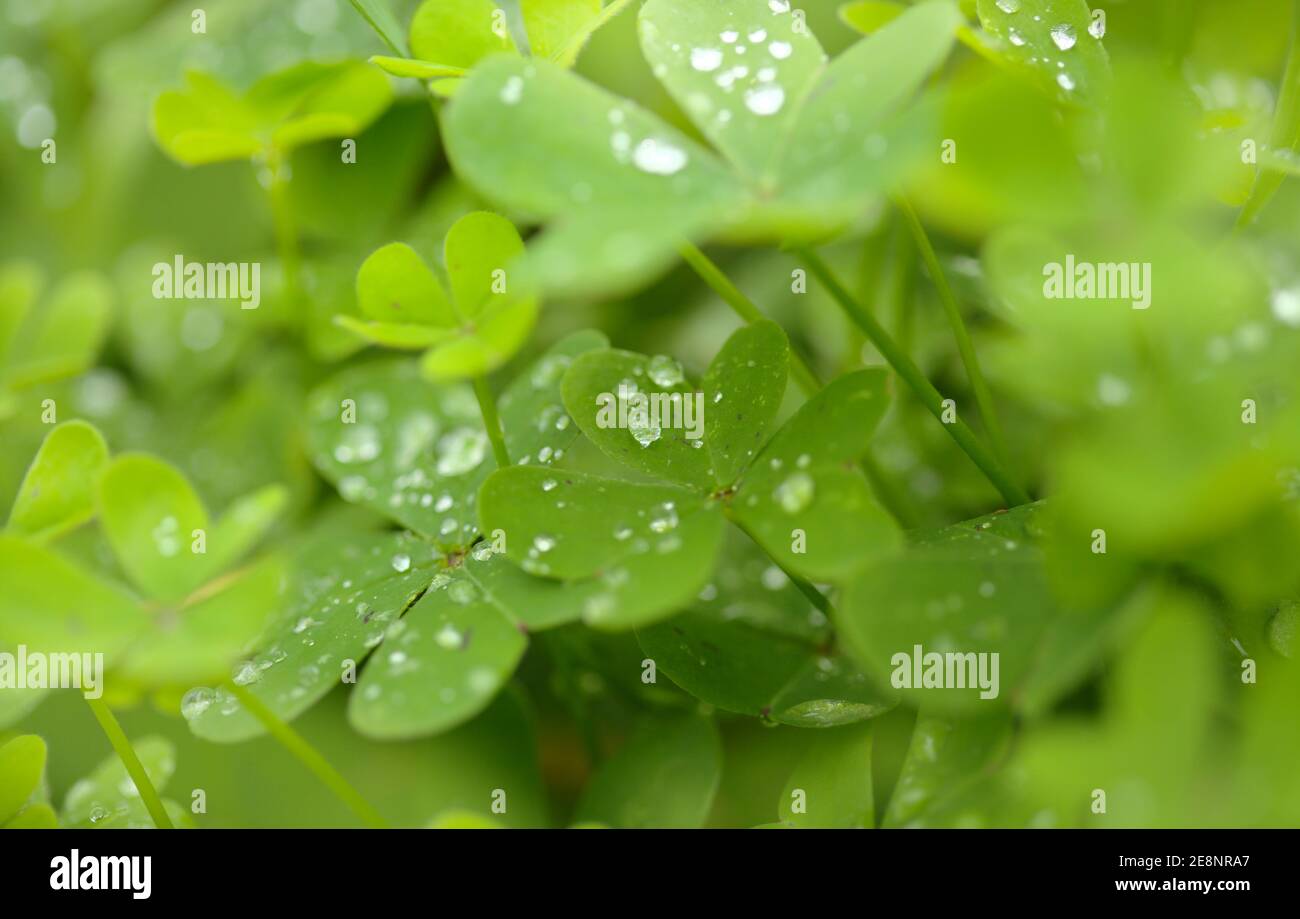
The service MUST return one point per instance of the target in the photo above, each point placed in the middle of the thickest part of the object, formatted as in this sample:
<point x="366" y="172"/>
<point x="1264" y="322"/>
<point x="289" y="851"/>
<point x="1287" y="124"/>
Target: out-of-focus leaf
<point x="58" y="492"/>
<point x="1056" y="43"/>
<point x="22" y="767"/>
<point x="52" y="605"/>
<point x="831" y="785"/>
<point x="63" y="337"/>
<point x="740" y="70"/>
<point x="108" y="799"/>
<point x="867" y="16"/>
<point x="459" y="33"/>
<point x="552" y="24"/>
<point x="379" y="14"/>
<point x="243" y="525"/>
<point x="152" y="518"/>
<point x="977" y="590"/>
<point x="945" y="759"/>
<point x="664" y="776"/>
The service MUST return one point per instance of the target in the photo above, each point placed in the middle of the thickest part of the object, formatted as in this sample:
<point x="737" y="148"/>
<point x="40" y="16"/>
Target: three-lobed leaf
<point x="58" y="491"/>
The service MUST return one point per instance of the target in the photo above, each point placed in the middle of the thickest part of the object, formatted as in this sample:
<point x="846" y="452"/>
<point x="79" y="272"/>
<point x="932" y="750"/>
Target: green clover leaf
<point x="470" y="332"/>
<point x="665" y="775"/>
<point x="451" y="37"/>
<point x="208" y="122"/>
<point x="22" y="778"/>
<point x="57" y="339"/>
<point x="751" y="643"/>
<point x="107" y="798"/>
<point x="832" y="782"/>
<point x="623" y="188"/>
<point x="1054" y="43"/>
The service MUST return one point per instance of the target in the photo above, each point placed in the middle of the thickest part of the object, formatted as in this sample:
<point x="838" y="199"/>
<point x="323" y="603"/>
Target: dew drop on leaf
<point x="1063" y="36"/>
<point x="659" y="157"/>
<point x="795" y="493"/>
<point x="665" y="371"/>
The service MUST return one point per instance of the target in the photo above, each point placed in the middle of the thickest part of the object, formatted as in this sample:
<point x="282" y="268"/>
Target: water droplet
<point x="665" y="371"/>
<point x="512" y="91"/>
<point x="449" y="637"/>
<point x="729" y="36"/>
<point x="758" y="35"/>
<point x="1009" y="6"/>
<point x="1065" y="81"/>
<point x="548" y="484"/>
<point x="462" y="592"/>
<point x="987" y="589"/>
<point x="543" y="542"/>
<point x="1286" y="306"/>
<point x="359" y="444"/>
<point x="401" y="563"/>
<point x="765" y="100"/>
<point x="780" y="49"/>
<point x="1097" y="28"/>
<point x="665" y="519"/>
<point x="779" y="6"/>
<point x="245" y="673"/>
<point x="659" y="157"/>
<point x="644" y="429"/>
<point x="622" y="533"/>
<point x="1015" y="38"/>
<point x="706" y="59"/>
<point x="795" y="493"/>
<point x="460" y="451"/>
<point x="1063" y="36"/>
<point x="196" y="702"/>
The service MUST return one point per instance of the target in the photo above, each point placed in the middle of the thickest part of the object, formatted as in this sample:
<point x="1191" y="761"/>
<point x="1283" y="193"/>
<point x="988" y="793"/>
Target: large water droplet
<point x="795" y="493"/>
<point x="1063" y="36"/>
<point x="765" y="100"/>
<point x="1009" y="6"/>
<point x="658" y="157"/>
<point x="665" y="371"/>
<point x="460" y="451"/>
<point x="706" y="59"/>
<point x="196" y="702"/>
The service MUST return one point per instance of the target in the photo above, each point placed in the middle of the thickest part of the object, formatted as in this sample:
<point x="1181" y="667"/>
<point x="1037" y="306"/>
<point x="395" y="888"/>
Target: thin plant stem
<point x="804" y="377"/>
<point x="487" y="404"/>
<point x="732" y="295"/>
<point x="310" y="757"/>
<point x="126" y="753"/>
<point x="903" y="365"/>
<point x="808" y="589"/>
<point x="969" y="359"/>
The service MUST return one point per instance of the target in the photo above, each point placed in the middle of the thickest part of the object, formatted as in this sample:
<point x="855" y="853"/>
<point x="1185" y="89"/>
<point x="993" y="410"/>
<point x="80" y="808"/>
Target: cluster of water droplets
<point x="1063" y="35"/>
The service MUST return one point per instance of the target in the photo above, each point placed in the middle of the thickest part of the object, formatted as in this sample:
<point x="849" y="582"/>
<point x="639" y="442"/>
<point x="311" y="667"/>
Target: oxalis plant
<point x="981" y="509"/>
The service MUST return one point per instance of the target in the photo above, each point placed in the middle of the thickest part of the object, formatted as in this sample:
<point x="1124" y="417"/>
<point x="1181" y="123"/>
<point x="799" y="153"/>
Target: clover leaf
<point x="57" y="338"/>
<point x="22" y="779"/>
<point x="945" y="759"/>
<point x="417" y="452"/>
<point x="1055" y="43"/>
<point x="107" y="798"/>
<point x="446" y="617"/>
<point x="751" y="643"/>
<point x="57" y="493"/>
<point x="195" y="615"/>
<point x="832" y="782"/>
<point x="208" y="122"/>
<point x="471" y="330"/>
<point x="981" y="587"/>
<point x="802" y="140"/>
<point x="451" y="37"/>
<point x="665" y="775"/>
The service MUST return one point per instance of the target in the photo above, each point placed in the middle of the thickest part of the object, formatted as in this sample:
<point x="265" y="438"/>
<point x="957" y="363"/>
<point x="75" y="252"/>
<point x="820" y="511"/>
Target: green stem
<point x="983" y="395"/>
<point x="487" y="404"/>
<point x="126" y="753"/>
<point x="804" y="377"/>
<point x="1286" y="128"/>
<point x="306" y="754"/>
<point x="732" y="295"/>
<point x="809" y="590"/>
<point x="912" y="375"/>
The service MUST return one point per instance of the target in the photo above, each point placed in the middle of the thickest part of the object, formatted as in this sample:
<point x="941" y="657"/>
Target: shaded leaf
<point x="945" y="759"/>
<point x="664" y="776"/>
<point x="22" y="767"/>
<point x="831" y="785"/>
